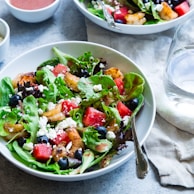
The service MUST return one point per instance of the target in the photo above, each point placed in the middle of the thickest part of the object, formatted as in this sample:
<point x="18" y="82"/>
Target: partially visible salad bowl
<point x="137" y="17"/>
<point x="66" y="108"/>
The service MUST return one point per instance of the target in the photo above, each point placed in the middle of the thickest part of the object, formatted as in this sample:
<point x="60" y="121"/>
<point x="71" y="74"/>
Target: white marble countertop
<point x="67" y="24"/>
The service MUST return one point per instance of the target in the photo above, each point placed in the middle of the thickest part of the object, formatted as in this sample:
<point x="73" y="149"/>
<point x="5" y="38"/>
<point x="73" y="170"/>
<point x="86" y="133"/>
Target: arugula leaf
<point x="63" y="91"/>
<point x="51" y="94"/>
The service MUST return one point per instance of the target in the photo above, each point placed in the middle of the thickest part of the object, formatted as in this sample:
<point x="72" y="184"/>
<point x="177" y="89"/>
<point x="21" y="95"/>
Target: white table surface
<point x="67" y="24"/>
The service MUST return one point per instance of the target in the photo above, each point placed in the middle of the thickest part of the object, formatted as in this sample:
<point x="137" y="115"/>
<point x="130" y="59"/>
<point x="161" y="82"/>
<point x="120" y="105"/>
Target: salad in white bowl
<point x="137" y="17"/>
<point x="70" y="115"/>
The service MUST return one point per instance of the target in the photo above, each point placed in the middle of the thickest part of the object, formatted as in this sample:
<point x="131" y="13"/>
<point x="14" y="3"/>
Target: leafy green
<point x="134" y="85"/>
<point x="86" y="87"/>
<point x="83" y="62"/>
<point x="51" y="62"/>
<point x="91" y="140"/>
<point x="45" y="76"/>
<point x="30" y="116"/>
<point x="63" y="91"/>
<point x="7" y="116"/>
<point x="26" y="158"/>
<point x="6" y="89"/>
<point x="111" y="113"/>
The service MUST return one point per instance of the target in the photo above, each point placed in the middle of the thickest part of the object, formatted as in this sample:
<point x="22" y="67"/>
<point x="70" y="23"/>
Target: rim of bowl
<point x="32" y="10"/>
<point x="7" y="31"/>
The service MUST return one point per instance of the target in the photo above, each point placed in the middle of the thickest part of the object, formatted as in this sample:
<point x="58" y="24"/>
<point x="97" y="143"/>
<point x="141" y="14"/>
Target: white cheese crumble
<point x="43" y="122"/>
<point x="41" y="132"/>
<point x="29" y="89"/>
<point x="110" y="135"/>
<point x="51" y="133"/>
<point x="41" y="88"/>
<point x="102" y="65"/>
<point x="125" y="120"/>
<point x="158" y="7"/>
<point x="61" y="75"/>
<point x="147" y="5"/>
<point x="68" y="122"/>
<point x="97" y="88"/>
<point x="28" y="146"/>
<point x="40" y="111"/>
<point x="51" y="106"/>
<point x="50" y="67"/>
<point x="76" y="100"/>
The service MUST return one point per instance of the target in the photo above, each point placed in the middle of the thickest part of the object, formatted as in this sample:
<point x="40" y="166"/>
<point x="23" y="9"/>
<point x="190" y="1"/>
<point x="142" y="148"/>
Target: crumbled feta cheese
<point x="41" y="88"/>
<point x="147" y="5"/>
<point x="51" y="133"/>
<point x="28" y="146"/>
<point x="40" y="111"/>
<point x="41" y="132"/>
<point x="125" y="120"/>
<point x="29" y="89"/>
<point x="68" y="122"/>
<point x="51" y="106"/>
<point x="158" y="7"/>
<point x="50" y="67"/>
<point x="102" y="66"/>
<point x="43" y="122"/>
<point x="11" y="129"/>
<point x="97" y="88"/>
<point x="76" y="100"/>
<point x="110" y="135"/>
<point x="61" y="75"/>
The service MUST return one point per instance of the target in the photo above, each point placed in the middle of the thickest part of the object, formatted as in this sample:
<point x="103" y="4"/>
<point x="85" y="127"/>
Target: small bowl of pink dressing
<point x="32" y="11"/>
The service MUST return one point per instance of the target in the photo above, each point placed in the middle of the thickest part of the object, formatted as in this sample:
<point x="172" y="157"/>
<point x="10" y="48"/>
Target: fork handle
<point x="141" y="162"/>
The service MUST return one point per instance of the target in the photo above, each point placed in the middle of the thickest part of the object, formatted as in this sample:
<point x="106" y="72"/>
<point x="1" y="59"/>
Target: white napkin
<point x="170" y="145"/>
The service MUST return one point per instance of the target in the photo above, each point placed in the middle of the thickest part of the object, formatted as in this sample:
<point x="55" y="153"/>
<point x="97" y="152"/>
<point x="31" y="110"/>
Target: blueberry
<point x="78" y="154"/>
<point x="132" y="104"/>
<point x="119" y="21"/>
<point x="82" y="73"/>
<point x="102" y="131"/>
<point x="63" y="163"/>
<point x="14" y="100"/>
<point x="42" y="139"/>
<point x="21" y="141"/>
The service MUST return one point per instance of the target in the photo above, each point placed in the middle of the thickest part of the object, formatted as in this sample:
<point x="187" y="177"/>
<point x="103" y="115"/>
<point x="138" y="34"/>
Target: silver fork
<point x="109" y="18"/>
<point x="141" y="161"/>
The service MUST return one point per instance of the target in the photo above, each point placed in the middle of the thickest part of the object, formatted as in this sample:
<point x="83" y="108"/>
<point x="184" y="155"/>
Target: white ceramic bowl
<point x="132" y="29"/>
<point x="5" y="39"/>
<point x="114" y="58"/>
<point x="33" y="16"/>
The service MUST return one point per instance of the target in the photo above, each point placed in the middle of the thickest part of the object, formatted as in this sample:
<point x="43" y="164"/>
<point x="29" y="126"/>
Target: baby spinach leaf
<point x="6" y="89"/>
<point x="30" y="116"/>
<point x="134" y="85"/>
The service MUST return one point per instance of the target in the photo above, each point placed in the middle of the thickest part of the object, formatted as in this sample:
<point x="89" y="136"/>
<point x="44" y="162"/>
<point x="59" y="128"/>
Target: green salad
<point x="72" y="115"/>
<point x="139" y="12"/>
